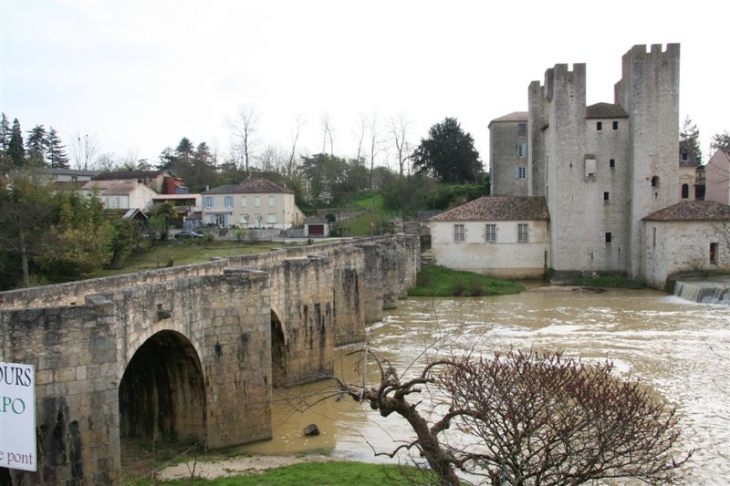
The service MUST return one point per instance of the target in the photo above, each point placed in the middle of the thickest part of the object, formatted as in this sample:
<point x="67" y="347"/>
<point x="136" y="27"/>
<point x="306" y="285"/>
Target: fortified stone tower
<point x="562" y="132"/>
<point x="649" y="92"/>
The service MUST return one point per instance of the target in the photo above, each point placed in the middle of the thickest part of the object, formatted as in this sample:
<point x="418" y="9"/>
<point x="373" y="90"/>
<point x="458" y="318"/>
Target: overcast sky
<point x="140" y="75"/>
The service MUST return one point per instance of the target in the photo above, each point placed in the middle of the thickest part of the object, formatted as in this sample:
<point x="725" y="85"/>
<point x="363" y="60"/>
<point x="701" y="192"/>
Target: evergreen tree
<point x="16" y="147"/>
<point x="448" y="154"/>
<point x="56" y="151"/>
<point x="37" y="146"/>
<point x="721" y="141"/>
<point x="689" y="141"/>
<point x="4" y="133"/>
<point x="5" y="162"/>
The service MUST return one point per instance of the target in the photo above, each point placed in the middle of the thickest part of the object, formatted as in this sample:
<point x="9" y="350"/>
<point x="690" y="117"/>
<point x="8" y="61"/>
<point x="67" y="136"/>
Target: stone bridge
<point x="189" y="352"/>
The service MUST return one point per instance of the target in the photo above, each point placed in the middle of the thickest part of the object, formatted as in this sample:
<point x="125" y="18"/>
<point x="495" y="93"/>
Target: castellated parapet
<point x="604" y="167"/>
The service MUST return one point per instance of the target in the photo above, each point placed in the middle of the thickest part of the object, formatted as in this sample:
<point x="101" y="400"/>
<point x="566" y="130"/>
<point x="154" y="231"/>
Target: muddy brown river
<point x="679" y="348"/>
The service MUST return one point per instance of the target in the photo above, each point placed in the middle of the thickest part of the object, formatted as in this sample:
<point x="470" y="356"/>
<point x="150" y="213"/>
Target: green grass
<point x="608" y="282"/>
<point x="434" y="281"/>
<point x="341" y="473"/>
<point x="369" y="200"/>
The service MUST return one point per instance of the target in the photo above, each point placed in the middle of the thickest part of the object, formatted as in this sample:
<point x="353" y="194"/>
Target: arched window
<point x="685" y="191"/>
<point x="655" y="181"/>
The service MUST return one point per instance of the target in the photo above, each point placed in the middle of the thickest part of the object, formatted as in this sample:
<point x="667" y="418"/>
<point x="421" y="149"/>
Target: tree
<point x="23" y="221"/>
<point x="721" y="140"/>
<point x="84" y="149"/>
<point x="689" y="141"/>
<point x="448" y="154"/>
<point x="56" y="151"/>
<point x="399" y="127"/>
<point x="78" y="243"/>
<point x="37" y="146"/>
<point x="296" y="132"/>
<point x="16" y="147"/>
<point x="327" y="133"/>
<point x="529" y="419"/>
<point x="244" y="129"/>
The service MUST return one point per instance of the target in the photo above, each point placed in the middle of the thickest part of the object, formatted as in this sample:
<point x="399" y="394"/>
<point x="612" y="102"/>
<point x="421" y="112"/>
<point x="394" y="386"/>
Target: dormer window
<point x="685" y="156"/>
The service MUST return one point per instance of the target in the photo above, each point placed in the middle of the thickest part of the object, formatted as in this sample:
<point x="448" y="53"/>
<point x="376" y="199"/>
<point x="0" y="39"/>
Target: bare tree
<point x="529" y="419"/>
<point x="244" y="128"/>
<point x="296" y="132"/>
<point x="375" y="143"/>
<point x="272" y="159"/>
<point x="399" y="127"/>
<point x="83" y="150"/>
<point x="327" y="133"/>
<point x="360" y="128"/>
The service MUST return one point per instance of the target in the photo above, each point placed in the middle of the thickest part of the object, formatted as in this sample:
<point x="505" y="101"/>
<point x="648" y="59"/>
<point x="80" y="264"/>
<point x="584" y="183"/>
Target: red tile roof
<point x="498" y="208"/>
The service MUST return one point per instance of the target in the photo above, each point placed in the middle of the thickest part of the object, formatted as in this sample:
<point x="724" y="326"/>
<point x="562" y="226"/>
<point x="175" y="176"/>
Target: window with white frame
<point x="257" y="201"/>
<point x="244" y="220"/>
<point x="522" y="172"/>
<point x="271" y="218"/>
<point x="458" y="232"/>
<point x="208" y="201"/>
<point x="522" y="150"/>
<point x="491" y="234"/>
<point x="271" y="201"/>
<point x="244" y="202"/>
<point x="522" y="236"/>
<point x="228" y="201"/>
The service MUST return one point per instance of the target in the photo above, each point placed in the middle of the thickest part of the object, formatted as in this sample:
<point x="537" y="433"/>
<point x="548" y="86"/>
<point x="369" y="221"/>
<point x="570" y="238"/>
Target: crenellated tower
<point x="649" y="92"/>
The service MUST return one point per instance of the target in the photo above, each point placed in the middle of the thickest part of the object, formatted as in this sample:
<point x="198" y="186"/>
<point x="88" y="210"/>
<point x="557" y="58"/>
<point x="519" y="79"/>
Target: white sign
<point x="17" y="416"/>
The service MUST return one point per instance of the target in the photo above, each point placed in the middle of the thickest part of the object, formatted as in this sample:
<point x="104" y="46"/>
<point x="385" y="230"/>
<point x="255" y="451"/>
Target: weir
<point x="706" y="290"/>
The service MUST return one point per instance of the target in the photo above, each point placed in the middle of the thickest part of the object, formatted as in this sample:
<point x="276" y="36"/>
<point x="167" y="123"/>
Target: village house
<point x="609" y="175"/>
<point x="254" y="203"/>
<point x="717" y="177"/>
<point x="506" y="236"/>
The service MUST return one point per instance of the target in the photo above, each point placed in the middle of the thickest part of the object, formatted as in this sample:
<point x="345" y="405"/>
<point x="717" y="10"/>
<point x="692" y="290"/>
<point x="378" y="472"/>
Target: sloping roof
<point x="515" y="116"/>
<point x="111" y="187"/>
<point x="690" y="162"/>
<point x="692" y="211"/>
<point x="498" y="208"/>
<point x="605" y="110"/>
<point x="250" y="186"/>
<point x="68" y="172"/>
<point x="132" y="174"/>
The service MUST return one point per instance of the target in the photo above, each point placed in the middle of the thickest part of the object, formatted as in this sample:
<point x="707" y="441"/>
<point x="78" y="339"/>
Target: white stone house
<point x="506" y="237"/>
<point x="254" y="203"/>
<point x="121" y="194"/>
<point x="688" y="236"/>
<point x="717" y="177"/>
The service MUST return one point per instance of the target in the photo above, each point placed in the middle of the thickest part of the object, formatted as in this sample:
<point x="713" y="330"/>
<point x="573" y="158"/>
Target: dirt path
<point x="235" y="466"/>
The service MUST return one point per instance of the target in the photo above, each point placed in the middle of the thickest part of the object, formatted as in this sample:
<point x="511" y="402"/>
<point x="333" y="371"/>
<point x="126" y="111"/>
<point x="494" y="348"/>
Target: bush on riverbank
<point x="435" y="281"/>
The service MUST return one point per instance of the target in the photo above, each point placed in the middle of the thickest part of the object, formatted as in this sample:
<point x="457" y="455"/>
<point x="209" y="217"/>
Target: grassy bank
<point x="434" y="281"/>
<point x="342" y="473"/>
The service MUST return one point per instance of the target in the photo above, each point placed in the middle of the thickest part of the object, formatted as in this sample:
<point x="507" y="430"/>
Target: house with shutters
<point x="504" y="236"/>
<point x="252" y="204"/>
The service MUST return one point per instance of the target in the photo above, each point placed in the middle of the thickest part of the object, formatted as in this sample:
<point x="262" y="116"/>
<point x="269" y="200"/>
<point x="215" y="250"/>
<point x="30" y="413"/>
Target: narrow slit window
<point x="608" y="237"/>
<point x="605" y="196"/>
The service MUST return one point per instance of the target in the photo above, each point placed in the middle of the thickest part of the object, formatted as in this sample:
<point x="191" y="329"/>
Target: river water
<point x="679" y="348"/>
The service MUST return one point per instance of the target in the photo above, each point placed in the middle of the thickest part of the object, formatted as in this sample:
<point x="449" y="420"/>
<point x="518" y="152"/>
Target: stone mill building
<point x="607" y="172"/>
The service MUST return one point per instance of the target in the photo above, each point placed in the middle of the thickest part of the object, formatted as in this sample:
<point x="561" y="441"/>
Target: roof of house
<point x="692" y="211"/>
<point x="605" y="110"/>
<point x="250" y="186"/>
<point x="498" y="208"/>
<point x="130" y="174"/>
<point x="690" y="162"/>
<point x="69" y="172"/>
<point x="112" y="187"/>
<point x="515" y="116"/>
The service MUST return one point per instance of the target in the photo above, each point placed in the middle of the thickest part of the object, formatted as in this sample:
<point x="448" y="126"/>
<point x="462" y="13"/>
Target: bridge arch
<point x="162" y="391"/>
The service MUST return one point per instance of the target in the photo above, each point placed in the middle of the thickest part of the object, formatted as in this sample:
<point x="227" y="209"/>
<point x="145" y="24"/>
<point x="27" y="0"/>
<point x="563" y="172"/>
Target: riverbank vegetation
<point x="335" y="473"/>
<point x="435" y="281"/>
